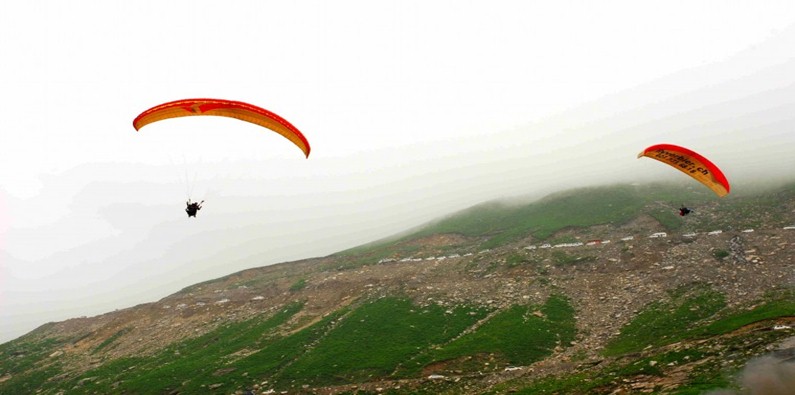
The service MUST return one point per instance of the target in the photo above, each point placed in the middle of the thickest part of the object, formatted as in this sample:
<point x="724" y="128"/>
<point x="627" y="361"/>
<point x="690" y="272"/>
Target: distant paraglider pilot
<point x="684" y="211"/>
<point x="193" y="208"/>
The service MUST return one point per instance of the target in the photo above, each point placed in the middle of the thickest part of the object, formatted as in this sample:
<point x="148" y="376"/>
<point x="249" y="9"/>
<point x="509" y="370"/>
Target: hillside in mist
<point x="599" y="290"/>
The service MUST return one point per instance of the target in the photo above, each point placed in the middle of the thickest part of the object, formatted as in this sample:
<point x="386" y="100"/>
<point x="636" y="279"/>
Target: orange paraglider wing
<point x="224" y="108"/>
<point x="690" y="163"/>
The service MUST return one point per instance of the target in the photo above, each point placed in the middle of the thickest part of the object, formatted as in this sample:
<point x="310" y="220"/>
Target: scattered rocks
<point x="737" y="250"/>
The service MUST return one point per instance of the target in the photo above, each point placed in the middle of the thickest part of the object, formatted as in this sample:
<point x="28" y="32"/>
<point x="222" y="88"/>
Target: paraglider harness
<point x="684" y="211"/>
<point x="193" y="208"/>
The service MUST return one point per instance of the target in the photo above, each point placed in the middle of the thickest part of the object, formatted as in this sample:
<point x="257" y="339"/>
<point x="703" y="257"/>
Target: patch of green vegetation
<point x="27" y="360"/>
<point x="580" y="208"/>
<point x="187" y="364"/>
<point x="720" y="372"/>
<point x="373" y="340"/>
<point x="694" y="314"/>
<point x="111" y="339"/>
<point x="20" y="355"/>
<point x="598" y="380"/>
<point x="706" y="378"/>
<point x="683" y="325"/>
<point x="31" y="381"/>
<point x="283" y="351"/>
<point x="519" y="335"/>
<point x="778" y="305"/>
<point x="298" y="285"/>
<point x="238" y="370"/>
<point x="666" y="322"/>
<point x="729" y="355"/>
<point x="707" y="362"/>
<point x="720" y="254"/>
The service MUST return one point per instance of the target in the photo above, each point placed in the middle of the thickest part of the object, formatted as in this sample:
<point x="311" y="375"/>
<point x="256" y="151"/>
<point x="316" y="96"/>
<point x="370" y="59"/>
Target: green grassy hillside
<point x="380" y="339"/>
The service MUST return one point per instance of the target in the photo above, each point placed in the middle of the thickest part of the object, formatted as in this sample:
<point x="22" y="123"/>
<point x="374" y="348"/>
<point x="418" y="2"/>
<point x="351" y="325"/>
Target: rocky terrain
<point x="609" y="273"/>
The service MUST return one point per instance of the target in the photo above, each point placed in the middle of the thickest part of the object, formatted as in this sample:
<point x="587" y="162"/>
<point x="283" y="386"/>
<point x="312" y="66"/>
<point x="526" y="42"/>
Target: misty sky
<point x="414" y="109"/>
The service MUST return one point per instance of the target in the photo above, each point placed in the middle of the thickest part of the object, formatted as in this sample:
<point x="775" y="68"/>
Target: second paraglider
<point x="691" y="163"/>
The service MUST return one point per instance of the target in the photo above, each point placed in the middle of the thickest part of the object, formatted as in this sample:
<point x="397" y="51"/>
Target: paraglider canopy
<point x="224" y="108"/>
<point x="690" y="163"/>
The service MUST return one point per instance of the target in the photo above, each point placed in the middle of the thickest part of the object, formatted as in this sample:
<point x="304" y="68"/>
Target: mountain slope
<point x="433" y="311"/>
<point x="499" y="223"/>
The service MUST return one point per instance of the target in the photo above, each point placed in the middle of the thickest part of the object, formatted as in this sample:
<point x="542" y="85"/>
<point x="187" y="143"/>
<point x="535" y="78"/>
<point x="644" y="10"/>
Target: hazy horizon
<point x="408" y="120"/>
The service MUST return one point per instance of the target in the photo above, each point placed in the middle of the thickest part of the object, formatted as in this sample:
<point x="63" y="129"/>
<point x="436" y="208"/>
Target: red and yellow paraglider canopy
<point x="690" y="163"/>
<point x="224" y="108"/>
